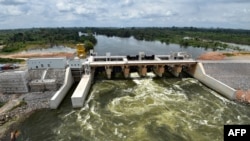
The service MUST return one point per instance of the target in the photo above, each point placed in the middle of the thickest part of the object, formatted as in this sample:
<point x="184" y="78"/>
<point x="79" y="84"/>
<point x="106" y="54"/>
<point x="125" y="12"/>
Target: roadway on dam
<point x="141" y="62"/>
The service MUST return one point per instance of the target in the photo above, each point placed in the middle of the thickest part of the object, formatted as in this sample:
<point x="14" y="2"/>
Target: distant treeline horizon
<point x="185" y="36"/>
<point x="214" y="38"/>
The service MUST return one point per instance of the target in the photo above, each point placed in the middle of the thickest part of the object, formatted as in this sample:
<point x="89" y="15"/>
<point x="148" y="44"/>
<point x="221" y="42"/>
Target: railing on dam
<point x="141" y="59"/>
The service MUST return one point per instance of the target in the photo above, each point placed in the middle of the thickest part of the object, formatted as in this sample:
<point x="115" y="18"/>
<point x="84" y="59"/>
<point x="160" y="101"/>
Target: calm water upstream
<point x="127" y="46"/>
<point x="131" y="46"/>
<point x="148" y="109"/>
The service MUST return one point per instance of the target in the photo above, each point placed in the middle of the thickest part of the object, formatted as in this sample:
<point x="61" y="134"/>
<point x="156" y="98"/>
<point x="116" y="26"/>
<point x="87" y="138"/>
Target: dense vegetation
<point x="21" y="39"/>
<point x="1" y="104"/>
<point x="10" y="60"/>
<point x="16" y="40"/>
<point x="188" y="36"/>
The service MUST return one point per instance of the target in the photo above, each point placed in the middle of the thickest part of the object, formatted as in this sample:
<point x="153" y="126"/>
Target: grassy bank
<point x="10" y="60"/>
<point x="1" y="104"/>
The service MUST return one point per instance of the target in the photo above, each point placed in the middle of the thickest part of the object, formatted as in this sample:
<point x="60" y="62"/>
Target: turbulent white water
<point x="141" y="109"/>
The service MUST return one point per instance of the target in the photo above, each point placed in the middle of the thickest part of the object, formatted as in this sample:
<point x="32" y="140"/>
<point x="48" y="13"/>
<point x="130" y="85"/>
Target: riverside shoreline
<point x="18" y="107"/>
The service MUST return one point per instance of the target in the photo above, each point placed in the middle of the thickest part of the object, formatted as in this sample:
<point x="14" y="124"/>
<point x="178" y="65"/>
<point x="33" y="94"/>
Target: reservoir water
<point x="143" y="109"/>
<point x="127" y="46"/>
<point x="131" y="46"/>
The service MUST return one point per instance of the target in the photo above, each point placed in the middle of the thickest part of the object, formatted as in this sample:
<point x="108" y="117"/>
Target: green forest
<point x="11" y="60"/>
<point x="20" y="39"/>
<point x="186" y="36"/>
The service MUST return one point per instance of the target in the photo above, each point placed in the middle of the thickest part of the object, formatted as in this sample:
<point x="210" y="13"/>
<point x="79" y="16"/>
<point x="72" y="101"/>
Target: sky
<point x="125" y="13"/>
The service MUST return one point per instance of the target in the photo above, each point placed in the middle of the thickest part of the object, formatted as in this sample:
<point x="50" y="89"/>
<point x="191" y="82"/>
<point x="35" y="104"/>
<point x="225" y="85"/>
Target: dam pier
<point x="59" y="74"/>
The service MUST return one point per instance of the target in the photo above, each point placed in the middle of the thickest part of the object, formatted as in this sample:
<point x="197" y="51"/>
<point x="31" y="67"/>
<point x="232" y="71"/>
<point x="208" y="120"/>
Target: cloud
<point x="13" y="10"/>
<point x="213" y="13"/>
<point x="126" y="3"/>
<point x="13" y="2"/>
<point x="63" y="6"/>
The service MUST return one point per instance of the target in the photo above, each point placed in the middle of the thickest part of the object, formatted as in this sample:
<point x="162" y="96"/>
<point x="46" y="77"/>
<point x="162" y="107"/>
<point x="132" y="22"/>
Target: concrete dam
<point x="59" y="74"/>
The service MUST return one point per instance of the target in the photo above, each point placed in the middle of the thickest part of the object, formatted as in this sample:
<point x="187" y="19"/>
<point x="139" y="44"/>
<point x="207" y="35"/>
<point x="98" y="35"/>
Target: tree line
<point x="20" y="39"/>
<point x="185" y="36"/>
<point x="10" y="60"/>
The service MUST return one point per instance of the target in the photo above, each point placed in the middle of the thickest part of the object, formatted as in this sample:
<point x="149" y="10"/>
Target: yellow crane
<point x="81" y="52"/>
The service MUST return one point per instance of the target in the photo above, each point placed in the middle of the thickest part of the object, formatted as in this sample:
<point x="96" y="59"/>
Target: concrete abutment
<point x="198" y="72"/>
<point x="176" y="70"/>
<point x="82" y="90"/>
<point x="159" y="70"/>
<point x="126" y="70"/>
<point x="142" y="70"/>
<point x="61" y="93"/>
<point x="108" y="70"/>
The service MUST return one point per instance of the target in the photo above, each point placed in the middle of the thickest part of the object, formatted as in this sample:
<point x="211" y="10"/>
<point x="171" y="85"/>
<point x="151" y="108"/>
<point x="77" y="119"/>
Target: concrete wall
<point x="75" y="63"/>
<point x="41" y="63"/>
<point x="81" y="91"/>
<point x="198" y="72"/>
<point x="35" y="74"/>
<point x="61" y="93"/>
<point x="46" y="80"/>
<point x="14" y="82"/>
<point x="56" y="74"/>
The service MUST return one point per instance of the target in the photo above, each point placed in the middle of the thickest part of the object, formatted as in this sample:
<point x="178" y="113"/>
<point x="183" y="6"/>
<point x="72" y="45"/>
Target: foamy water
<point x="140" y="109"/>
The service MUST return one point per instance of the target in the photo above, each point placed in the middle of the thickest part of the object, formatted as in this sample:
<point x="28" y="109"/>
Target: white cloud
<point x="12" y="10"/>
<point x="13" y="2"/>
<point x="63" y="6"/>
<point x="201" y="13"/>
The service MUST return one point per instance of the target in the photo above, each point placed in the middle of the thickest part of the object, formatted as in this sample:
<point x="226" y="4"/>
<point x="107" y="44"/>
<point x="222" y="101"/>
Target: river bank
<point x="224" y="56"/>
<point x="18" y="107"/>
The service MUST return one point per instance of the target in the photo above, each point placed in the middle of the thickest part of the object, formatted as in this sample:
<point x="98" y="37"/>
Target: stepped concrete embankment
<point x="235" y="74"/>
<point x="230" y="78"/>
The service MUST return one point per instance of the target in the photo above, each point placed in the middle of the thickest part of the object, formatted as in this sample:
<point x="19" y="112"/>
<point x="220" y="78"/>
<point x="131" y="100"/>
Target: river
<point x="127" y="46"/>
<point x="131" y="46"/>
<point x="145" y="109"/>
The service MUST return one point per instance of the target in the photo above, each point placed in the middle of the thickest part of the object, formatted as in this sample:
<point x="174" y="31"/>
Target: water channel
<point x="145" y="109"/>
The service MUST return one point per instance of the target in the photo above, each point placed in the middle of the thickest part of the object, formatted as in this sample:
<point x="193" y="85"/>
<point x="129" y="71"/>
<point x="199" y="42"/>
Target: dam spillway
<point x="141" y="62"/>
<point x="200" y="70"/>
<point x="58" y="74"/>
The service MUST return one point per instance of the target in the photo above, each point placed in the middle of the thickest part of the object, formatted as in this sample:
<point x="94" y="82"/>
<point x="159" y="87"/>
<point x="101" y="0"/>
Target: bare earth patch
<point x="243" y="96"/>
<point x="211" y="56"/>
<point x="38" y="55"/>
<point x="225" y="56"/>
